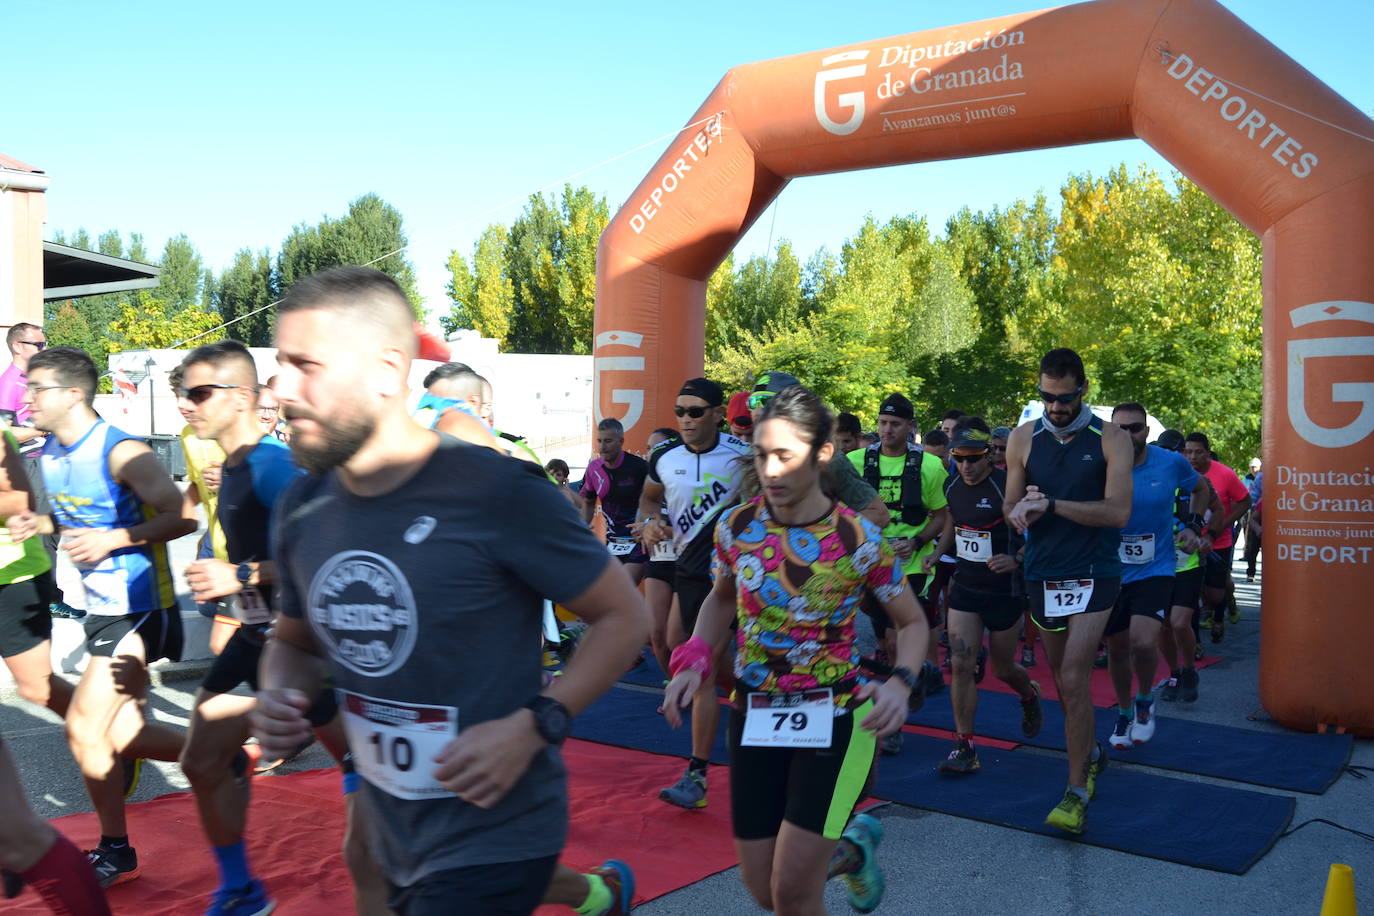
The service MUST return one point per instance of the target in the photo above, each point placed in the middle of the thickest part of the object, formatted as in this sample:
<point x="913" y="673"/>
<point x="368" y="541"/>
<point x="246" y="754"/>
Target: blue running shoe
<point x="865" y="886"/>
<point x="249" y="900"/>
<point x="621" y="882"/>
<point x="687" y="792"/>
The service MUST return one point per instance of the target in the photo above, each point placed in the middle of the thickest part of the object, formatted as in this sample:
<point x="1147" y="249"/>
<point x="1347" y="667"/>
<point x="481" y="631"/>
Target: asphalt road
<point x="934" y="863"/>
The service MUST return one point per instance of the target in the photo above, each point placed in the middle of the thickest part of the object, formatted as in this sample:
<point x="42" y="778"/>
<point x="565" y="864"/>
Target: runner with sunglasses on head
<point x="791" y="567"/>
<point x="1069" y="492"/>
<point x="1147" y="573"/>
<point x="987" y="591"/>
<point x="696" y="476"/>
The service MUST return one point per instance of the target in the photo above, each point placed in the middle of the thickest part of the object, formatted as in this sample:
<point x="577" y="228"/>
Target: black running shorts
<point x="1103" y="596"/>
<point x="815" y="789"/>
<point x="159" y="630"/>
<point x="496" y="889"/>
<point x="1187" y="588"/>
<point x="1217" y="568"/>
<point x="999" y="612"/>
<point x="662" y="570"/>
<point x="238" y="662"/>
<point x="691" y="593"/>
<point x="1141" y="598"/>
<point x="24" y="618"/>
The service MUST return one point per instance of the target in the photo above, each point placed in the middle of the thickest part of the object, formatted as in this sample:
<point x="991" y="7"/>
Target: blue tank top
<point x="84" y="495"/>
<point x="1057" y="548"/>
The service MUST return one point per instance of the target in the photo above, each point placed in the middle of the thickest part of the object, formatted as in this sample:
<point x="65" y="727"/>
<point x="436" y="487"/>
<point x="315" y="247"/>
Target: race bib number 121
<point x="1067" y="596"/>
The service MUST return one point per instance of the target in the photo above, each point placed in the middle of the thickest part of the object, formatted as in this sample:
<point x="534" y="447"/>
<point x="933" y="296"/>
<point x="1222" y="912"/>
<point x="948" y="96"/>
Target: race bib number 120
<point x="394" y="744"/>
<point x="1067" y="596"/>
<point x="789" y="719"/>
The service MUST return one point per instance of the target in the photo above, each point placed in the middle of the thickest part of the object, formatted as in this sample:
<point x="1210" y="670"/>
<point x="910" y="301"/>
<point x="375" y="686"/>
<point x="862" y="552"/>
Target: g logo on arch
<point x="1301" y="354"/>
<point x="854" y="101"/>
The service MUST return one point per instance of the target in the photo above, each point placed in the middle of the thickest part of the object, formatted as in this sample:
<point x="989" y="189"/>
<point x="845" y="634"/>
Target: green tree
<point x="179" y="284"/>
<point x="483" y="296"/>
<point x="764" y="294"/>
<point x="150" y="324"/>
<point x="67" y="328"/>
<point x="243" y="295"/>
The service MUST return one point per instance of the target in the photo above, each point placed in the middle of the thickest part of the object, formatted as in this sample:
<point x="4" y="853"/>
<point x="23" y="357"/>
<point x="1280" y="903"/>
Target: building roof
<point x="69" y="273"/>
<point x="15" y="165"/>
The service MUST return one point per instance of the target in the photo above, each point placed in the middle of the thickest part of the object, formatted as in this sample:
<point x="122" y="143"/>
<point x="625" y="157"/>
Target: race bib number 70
<point x="394" y="744"/>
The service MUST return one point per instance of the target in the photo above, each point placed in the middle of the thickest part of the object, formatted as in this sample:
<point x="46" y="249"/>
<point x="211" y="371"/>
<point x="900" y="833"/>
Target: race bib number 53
<point x="789" y="719"/>
<point x="394" y="744"/>
<point x="1067" y="596"/>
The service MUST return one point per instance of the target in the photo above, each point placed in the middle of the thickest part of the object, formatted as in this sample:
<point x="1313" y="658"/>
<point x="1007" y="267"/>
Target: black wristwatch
<point x="244" y="572"/>
<point x="551" y="719"/>
<point x="906" y="677"/>
<point x="1049" y="507"/>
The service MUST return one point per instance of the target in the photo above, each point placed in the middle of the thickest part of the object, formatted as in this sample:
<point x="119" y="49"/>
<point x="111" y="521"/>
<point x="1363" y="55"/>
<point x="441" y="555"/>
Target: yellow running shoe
<point x="1070" y="814"/>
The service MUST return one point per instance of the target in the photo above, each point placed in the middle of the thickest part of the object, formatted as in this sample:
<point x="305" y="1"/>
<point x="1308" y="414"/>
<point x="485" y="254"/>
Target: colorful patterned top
<point x="797" y="591"/>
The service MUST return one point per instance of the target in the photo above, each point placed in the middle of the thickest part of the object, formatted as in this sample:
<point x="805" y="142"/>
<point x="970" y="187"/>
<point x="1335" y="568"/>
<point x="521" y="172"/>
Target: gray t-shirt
<point x="852" y="490"/>
<point x="427" y="603"/>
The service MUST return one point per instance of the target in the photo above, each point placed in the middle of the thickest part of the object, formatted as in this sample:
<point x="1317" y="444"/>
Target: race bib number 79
<point x="1065" y="597"/>
<point x="394" y="744"/>
<point x="789" y="719"/>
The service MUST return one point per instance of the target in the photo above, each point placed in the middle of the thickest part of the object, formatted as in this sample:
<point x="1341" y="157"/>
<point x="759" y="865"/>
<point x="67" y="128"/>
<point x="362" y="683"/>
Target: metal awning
<point x="72" y="272"/>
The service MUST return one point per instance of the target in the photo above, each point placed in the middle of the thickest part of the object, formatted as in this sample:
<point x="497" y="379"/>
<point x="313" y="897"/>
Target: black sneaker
<point x="1218" y="627"/>
<point x="113" y="866"/>
<point x="1032" y="714"/>
<point x="932" y="679"/>
<point x="980" y="667"/>
<point x="1187" y="685"/>
<point x="963" y="759"/>
<point x="1169" y="692"/>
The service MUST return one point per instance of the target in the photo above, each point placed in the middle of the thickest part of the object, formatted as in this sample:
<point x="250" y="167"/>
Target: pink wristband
<point x="693" y="655"/>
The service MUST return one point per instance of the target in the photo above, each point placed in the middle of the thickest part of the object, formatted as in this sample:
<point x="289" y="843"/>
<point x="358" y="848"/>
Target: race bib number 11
<point x="394" y="744"/>
<point x="1067" y="596"/>
<point x="789" y="719"/>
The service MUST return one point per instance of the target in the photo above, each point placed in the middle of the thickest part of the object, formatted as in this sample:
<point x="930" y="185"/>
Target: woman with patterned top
<point x="791" y="566"/>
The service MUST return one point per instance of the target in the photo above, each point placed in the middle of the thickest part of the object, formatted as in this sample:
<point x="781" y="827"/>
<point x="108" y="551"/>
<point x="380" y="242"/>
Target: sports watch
<point x="551" y="719"/>
<point x="906" y="677"/>
<point x="244" y="573"/>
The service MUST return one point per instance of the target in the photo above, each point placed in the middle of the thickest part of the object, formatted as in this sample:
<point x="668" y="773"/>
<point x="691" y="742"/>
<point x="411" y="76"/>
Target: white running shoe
<point x="1143" y="728"/>
<point x="1121" y="735"/>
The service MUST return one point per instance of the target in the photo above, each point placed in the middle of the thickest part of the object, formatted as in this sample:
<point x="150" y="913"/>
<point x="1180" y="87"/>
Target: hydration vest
<point x="910" y="508"/>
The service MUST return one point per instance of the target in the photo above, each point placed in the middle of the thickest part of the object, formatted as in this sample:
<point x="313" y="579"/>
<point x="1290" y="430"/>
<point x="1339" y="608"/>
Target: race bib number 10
<point x="1067" y="596"/>
<point x="789" y="719"/>
<point x="394" y="744"/>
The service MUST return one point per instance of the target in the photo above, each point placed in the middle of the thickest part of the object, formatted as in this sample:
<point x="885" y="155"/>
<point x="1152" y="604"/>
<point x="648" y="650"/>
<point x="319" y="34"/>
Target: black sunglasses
<point x="1069" y="398"/>
<point x="969" y="459"/>
<point x="696" y="413"/>
<point x="36" y="344"/>
<point x="1132" y="427"/>
<point x="202" y="393"/>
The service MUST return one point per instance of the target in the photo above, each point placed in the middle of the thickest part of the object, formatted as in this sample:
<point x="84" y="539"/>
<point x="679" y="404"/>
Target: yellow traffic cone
<point x="1340" y="892"/>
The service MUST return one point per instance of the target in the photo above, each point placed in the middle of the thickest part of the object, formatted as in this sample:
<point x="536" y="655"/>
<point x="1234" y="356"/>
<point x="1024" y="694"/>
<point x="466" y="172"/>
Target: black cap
<point x="970" y="439"/>
<point x="1170" y="439"/>
<point x="896" y="405"/>
<point x="703" y="388"/>
<point x="774" y="382"/>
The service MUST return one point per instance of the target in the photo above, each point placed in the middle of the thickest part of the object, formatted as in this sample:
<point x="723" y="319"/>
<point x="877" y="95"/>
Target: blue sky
<point x="233" y="122"/>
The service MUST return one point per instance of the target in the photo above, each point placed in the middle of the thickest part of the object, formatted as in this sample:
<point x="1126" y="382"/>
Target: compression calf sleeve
<point x="64" y="878"/>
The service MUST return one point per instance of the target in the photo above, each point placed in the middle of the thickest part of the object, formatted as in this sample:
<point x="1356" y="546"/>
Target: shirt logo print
<point x="421" y="528"/>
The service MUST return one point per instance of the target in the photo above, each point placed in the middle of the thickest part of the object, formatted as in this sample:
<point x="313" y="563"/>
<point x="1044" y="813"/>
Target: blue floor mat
<point x="1191" y="823"/>
<point x="1280" y="760"/>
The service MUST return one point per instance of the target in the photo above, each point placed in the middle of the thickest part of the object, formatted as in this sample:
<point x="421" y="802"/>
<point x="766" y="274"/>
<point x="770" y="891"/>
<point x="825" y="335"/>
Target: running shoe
<point x="1121" y="734"/>
<point x="892" y="744"/>
<point x="1169" y="692"/>
<point x="1197" y="652"/>
<point x="1218" y="628"/>
<point x="1233" y="608"/>
<point x="865" y="886"/>
<point x="687" y="792"/>
<point x="113" y="866"/>
<point x="963" y="759"/>
<point x="133" y="772"/>
<point x="1093" y="769"/>
<point x="980" y="667"/>
<point x="249" y="900"/>
<point x="64" y="611"/>
<point x="1206" y="620"/>
<point x="1100" y="661"/>
<point x="621" y="882"/>
<point x="1143" y="728"/>
<point x="1187" y="685"/>
<point x="1032" y="713"/>
<point x="1027" y="658"/>
<point x="1070" y="814"/>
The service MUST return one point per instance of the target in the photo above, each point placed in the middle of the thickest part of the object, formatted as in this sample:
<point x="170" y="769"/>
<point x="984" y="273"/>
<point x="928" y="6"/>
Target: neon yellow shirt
<point x="200" y="454"/>
<point x="933" y="477"/>
<point x="20" y="562"/>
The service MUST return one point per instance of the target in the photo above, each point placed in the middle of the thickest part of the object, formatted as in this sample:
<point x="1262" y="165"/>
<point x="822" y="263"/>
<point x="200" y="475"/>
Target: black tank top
<point x="1057" y="548"/>
<point x="979" y="531"/>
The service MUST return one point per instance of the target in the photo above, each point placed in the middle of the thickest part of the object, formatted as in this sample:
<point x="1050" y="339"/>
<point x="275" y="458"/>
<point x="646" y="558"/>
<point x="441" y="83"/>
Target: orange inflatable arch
<point x="1291" y="159"/>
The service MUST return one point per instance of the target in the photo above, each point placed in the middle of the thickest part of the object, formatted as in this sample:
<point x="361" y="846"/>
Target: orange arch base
<point x="1194" y="82"/>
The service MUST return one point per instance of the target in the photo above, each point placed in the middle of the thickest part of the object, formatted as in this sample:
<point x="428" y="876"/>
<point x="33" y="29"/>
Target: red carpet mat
<point x="296" y="831"/>
<point x="1103" y="692"/>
